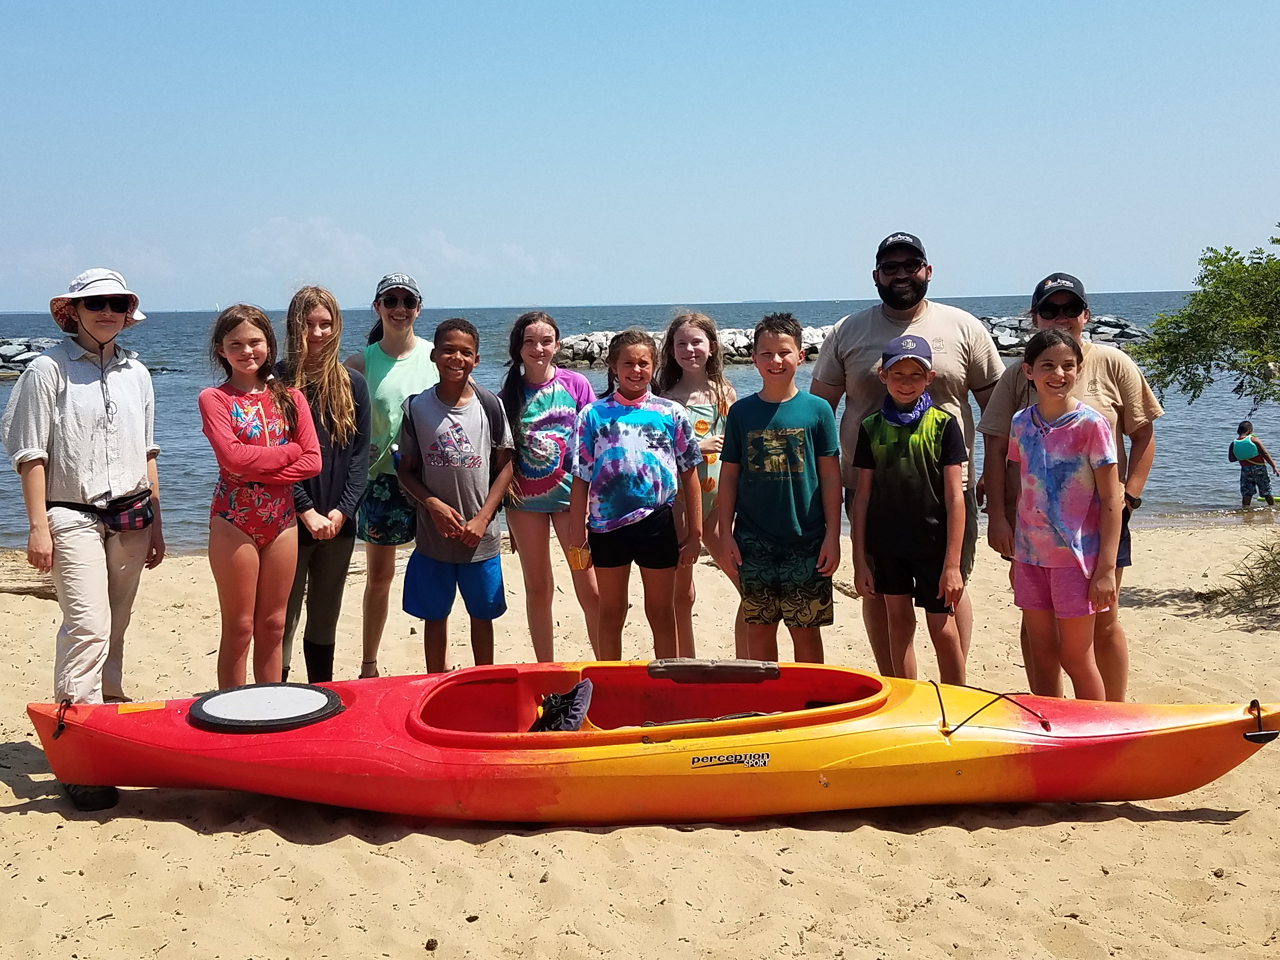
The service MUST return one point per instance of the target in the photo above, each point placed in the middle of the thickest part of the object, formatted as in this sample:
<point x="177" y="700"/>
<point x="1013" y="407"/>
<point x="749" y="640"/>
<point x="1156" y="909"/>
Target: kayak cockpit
<point x="494" y="707"/>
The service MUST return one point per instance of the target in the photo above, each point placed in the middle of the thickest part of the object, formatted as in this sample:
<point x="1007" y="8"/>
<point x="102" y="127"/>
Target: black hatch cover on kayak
<point x="690" y="670"/>
<point x="264" y="707"/>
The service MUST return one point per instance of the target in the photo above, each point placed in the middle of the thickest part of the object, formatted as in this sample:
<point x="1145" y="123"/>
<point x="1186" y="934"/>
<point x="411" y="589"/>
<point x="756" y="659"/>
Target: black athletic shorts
<point x="968" y="546"/>
<point x="914" y="576"/>
<point x="649" y="543"/>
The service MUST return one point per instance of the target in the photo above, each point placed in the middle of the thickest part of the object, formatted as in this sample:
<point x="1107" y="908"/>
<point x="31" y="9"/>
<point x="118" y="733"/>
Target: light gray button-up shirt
<point x="91" y="425"/>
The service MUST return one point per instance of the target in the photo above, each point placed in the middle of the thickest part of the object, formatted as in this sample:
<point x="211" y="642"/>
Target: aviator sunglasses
<point x="390" y="301"/>
<point x="1051" y="311"/>
<point x="98" y="304"/>
<point x="891" y="268"/>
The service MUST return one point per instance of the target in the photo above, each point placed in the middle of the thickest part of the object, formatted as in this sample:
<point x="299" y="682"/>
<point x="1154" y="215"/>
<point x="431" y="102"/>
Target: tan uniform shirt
<point x="1110" y="382"/>
<point x="964" y="357"/>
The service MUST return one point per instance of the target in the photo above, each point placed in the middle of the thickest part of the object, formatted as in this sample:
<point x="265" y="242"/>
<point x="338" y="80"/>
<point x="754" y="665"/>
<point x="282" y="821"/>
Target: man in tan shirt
<point x="965" y="360"/>
<point x="1111" y="383"/>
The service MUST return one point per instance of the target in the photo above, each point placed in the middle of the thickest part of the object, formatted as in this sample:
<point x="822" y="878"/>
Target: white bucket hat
<point x="98" y="282"/>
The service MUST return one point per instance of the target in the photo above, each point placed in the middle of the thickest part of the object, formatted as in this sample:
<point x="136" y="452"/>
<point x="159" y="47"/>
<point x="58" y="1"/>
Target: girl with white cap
<point x="396" y="364"/>
<point x="78" y="430"/>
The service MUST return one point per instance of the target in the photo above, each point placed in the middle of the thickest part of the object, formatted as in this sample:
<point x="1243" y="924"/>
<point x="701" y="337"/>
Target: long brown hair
<point x="227" y="321"/>
<point x="669" y="371"/>
<point x="512" y="392"/>
<point x="631" y="337"/>
<point x="327" y="386"/>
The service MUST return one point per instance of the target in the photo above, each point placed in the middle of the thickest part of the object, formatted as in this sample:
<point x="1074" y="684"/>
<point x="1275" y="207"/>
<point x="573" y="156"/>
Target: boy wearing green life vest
<point x="1253" y="459"/>
<point x="908" y="510"/>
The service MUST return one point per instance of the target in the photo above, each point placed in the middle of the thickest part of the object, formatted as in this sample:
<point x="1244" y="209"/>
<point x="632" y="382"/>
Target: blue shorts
<point x="430" y="586"/>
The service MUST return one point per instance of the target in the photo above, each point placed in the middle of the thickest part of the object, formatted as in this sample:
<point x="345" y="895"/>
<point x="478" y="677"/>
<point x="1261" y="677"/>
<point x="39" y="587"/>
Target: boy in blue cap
<point x="908" y="512"/>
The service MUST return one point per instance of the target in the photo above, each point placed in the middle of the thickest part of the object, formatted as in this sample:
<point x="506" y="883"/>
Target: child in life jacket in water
<point x="1248" y="451"/>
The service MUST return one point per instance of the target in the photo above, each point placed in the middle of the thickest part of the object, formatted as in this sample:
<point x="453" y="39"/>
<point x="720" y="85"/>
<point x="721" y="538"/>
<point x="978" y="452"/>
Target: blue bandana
<point x="905" y="418"/>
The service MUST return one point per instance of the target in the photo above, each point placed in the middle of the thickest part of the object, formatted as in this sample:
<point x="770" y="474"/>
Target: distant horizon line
<point x="674" y="303"/>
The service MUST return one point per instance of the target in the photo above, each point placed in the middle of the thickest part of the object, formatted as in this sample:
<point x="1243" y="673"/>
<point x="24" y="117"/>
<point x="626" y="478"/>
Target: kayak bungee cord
<point x="948" y="730"/>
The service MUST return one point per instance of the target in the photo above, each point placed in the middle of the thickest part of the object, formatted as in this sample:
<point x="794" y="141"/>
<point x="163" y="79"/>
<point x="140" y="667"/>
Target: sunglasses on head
<point x="390" y="301"/>
<point x="891" y="268"/>
<point x="98" y="304"/>
<point x="1051" y="311"/>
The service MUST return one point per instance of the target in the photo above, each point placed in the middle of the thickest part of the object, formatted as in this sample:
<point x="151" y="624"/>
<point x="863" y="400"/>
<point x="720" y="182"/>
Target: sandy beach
<point x="173" y="873"/>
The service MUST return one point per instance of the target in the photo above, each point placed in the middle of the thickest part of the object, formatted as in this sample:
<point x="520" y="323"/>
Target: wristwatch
<point x="1133" y="502"/>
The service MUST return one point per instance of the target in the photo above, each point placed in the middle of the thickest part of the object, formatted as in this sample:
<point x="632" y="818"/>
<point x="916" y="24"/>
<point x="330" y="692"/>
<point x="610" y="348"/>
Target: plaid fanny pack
<point x="123" y="513"/>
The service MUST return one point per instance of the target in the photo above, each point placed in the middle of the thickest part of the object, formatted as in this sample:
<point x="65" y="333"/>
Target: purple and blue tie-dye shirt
<point x="544" y="448"/>
<point x="631" y="454"/>
<point x="1059" y="509"/>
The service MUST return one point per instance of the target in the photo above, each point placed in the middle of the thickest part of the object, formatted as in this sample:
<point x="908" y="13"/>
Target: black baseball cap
<point x="904" y="348"/>
<point x="901" y="240"/>
<point x="1058" y="283"/>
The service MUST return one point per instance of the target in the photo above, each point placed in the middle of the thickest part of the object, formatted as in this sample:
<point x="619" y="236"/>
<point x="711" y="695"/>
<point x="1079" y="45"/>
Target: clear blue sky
<point x="608" y="152"/>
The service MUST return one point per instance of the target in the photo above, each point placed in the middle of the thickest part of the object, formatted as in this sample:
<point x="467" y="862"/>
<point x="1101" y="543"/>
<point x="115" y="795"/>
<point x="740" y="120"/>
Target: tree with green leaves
<point x="1229" y="329"/>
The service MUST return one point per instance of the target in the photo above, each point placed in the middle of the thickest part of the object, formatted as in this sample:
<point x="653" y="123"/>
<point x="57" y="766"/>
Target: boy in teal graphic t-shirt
<point x="780" y="487"/>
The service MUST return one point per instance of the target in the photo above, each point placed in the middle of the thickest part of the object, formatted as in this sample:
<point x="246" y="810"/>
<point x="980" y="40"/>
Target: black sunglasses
<point x="891" y="268"/>
<point x="98" y="304"/>
<point x="1051" y="311"/>
<point x="390" y="301"/>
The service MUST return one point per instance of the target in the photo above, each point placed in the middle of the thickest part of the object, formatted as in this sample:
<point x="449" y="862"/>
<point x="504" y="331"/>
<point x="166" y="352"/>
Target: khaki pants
<point x="96" y="573"/>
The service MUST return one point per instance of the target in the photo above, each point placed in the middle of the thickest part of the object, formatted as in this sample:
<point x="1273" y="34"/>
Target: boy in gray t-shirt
<point x="455" y="462"/>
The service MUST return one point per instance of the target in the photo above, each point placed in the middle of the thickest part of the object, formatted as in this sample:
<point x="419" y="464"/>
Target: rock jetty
<point x="1009" y="333"/>
<point x="16" y="353"/>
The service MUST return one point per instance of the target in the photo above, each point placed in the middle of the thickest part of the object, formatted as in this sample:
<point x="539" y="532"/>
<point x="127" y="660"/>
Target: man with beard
<point x="965" y="360"/>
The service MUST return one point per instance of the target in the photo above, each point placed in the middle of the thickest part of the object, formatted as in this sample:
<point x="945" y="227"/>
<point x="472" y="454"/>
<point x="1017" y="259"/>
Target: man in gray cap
<point x="965" y="360"/>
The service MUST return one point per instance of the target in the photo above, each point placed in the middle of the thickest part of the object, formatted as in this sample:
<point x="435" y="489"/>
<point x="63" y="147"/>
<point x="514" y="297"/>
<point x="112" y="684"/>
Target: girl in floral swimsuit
<point x="264" y="440"/>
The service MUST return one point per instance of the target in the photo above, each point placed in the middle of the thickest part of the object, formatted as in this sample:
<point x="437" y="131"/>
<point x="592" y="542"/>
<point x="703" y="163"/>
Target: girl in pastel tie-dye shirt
<point x="1069" y="506"/>
<point x="633" y="451"/>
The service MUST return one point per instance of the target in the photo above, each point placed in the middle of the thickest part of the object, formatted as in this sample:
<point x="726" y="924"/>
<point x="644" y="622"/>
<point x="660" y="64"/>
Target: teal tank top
<point x="391" y="383"/>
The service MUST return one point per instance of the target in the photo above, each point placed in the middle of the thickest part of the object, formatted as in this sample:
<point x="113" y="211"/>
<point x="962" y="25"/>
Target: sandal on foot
<point x="367" y="671"/>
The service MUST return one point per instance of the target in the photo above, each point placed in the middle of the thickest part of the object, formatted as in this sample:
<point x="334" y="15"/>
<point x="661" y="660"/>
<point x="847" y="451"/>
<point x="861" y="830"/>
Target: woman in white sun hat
<point x="78" y="430"/>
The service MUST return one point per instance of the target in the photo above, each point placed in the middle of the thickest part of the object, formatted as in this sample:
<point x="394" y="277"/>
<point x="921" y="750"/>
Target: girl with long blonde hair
<point x="691" y="372"/>
<point x="326" y="504"/>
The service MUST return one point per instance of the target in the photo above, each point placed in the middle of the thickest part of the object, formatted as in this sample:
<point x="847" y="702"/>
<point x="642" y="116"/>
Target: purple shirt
<point x="1059" y="509"/>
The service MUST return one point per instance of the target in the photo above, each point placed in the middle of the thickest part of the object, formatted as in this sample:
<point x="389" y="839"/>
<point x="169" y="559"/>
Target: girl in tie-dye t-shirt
<point x="542" y="404"/>
<point x="633" y="451"/>
<point x="1069" y="509"/>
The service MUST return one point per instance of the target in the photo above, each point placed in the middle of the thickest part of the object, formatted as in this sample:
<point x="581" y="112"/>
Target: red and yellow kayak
<point x="666" y="741"/>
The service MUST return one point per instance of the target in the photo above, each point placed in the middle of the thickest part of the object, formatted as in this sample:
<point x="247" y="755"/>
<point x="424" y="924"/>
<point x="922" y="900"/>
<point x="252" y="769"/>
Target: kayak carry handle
<point x="1259" y="735"/>
<point x="691" y="670"/>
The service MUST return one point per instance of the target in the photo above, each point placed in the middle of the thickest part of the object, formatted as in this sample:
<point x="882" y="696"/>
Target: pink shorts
<point x="1064" y="590"/>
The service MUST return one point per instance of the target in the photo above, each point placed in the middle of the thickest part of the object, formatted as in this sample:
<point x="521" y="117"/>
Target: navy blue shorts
<point x="1124" y="555"/>
<point x="430" y="586"/>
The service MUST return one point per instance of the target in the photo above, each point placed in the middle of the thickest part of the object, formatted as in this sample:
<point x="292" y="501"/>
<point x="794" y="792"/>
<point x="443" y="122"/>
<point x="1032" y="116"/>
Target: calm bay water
<point x="1191" y="480"/>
